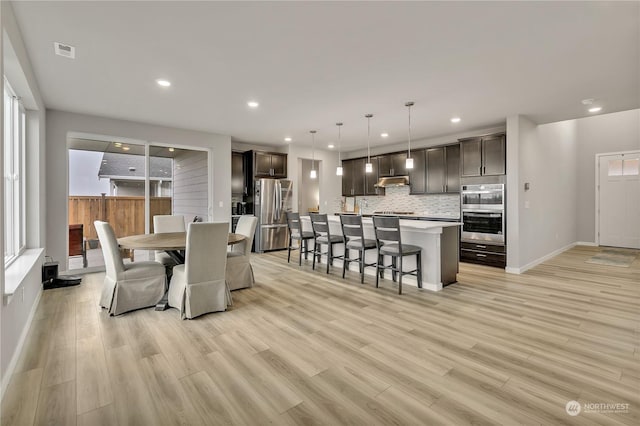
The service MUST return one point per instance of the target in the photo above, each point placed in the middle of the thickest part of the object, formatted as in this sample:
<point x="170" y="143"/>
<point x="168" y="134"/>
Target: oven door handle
<point x="490" y="213"/>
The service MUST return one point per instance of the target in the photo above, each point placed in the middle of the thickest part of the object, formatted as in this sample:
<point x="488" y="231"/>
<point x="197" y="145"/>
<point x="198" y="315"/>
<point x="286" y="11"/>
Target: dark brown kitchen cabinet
<point x="353" y="179"/>
<point x="238" y="186"/>
<point x="418" y="175"/>
<point x="483" y="156"/>
<point x="435" y="170"/>
<point x="452" y="159"/>
<point x="392" y="164"/>
<point x="436" y="175"/>
<point x="270" y="164"/>
<point x="371" y="179"/>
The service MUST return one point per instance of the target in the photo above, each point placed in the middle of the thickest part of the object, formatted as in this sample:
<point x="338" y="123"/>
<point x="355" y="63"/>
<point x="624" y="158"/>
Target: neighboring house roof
<point x="132" y="166"/>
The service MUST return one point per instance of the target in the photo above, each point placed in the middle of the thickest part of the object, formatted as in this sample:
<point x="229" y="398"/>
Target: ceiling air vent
<point x="65" y="50"/>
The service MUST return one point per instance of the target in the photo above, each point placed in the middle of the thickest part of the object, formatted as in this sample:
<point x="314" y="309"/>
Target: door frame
<point x="597" y="187"/>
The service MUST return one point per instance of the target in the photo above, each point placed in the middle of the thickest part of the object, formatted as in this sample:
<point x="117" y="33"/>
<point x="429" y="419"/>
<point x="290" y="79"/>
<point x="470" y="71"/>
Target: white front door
<point x="619" y="200"/>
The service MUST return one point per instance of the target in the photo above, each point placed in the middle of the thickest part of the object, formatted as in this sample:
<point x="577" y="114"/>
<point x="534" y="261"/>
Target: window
<point x="14" y="182"/>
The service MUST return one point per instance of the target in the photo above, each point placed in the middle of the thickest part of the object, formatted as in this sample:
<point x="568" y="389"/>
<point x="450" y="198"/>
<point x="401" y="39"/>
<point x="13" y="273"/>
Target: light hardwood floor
<point x="303" y="347"/>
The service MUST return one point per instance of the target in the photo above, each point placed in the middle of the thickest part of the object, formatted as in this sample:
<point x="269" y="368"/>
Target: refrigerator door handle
<point x="278" y="209"/>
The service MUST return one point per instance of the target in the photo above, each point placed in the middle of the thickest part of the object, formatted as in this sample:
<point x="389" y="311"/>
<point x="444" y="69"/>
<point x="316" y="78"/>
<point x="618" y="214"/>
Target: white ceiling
<point x="314" y="63"/>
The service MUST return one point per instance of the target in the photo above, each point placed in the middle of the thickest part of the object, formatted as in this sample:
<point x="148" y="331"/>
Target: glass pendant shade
<point x="368" y="168"/>
<point x="339" y="171"/>
<point x="313" y="174"/>
<point x="409" y="163"/>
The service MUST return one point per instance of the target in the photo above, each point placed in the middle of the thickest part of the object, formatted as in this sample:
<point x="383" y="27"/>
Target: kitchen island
<point x="440" y="249"/>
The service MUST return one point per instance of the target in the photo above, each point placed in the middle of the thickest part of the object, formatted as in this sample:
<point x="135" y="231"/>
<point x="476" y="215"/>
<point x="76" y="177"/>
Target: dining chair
<point x="296" y="233"/>
<point x="127" y="287"/>
<point x="389" y="243"/>
<point x="163" y="224"/>
<point x="198" y="286"/>
<point x="239" y="270"/>
<point x="322" y="236"/>
<point x="355" y="240"/>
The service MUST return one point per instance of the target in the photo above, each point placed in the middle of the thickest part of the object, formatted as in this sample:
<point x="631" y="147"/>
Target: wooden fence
<point x="124" y="214"/>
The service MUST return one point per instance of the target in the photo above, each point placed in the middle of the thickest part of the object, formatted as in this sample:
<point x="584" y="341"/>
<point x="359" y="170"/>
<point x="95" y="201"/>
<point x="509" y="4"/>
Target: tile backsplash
<point x="398" y="199"/>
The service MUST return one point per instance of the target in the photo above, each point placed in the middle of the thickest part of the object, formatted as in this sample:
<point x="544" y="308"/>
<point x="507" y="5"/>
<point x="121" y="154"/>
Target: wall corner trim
<point x="538" y="261"/>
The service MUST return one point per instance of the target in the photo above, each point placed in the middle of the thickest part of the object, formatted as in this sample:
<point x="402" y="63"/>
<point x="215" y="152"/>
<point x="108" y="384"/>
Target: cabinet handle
<point x="479" y="246"/>
<point x="393" y="172"/>
<point x="443" y="189"/>
<point x="480" y="170"/>
<point x="484" y="170"/>
<point x="480" y="255"/>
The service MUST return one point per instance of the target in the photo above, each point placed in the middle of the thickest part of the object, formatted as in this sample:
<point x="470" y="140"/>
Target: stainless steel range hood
<point x="387" y="182"/>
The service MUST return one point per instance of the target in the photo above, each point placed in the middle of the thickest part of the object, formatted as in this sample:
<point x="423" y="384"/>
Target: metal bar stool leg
<point x="345" y="261"/>
<point x="419" y="267"/>
<point x="362" y="266"/>
<point x="400" y="280"/>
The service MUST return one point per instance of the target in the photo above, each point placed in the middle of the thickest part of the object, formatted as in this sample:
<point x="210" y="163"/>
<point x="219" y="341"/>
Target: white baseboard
<point x="538" y="261"/>
<point x="586" y="243"/>
<point x="6" y="379"/>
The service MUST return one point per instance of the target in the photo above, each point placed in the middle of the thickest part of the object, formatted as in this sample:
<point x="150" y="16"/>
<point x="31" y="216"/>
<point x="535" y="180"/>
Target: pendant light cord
<point x="409" y="105"/>
<point x="313" y="149"/>
<point x="368" y="137"/>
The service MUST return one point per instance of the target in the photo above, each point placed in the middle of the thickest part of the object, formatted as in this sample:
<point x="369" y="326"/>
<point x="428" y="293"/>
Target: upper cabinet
<point x="238" y="186"/>
<point x="435" y="170"/>
<point x="269" y="164"/>
<point x="353" y="181"/>
<point x="483" y="156"/>
<point x="418" y="175"/>
<point x="390" y="165"/>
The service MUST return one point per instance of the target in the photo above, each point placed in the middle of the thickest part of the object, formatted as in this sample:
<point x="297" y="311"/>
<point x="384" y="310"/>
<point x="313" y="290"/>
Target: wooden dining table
<point x="173" y="243"/>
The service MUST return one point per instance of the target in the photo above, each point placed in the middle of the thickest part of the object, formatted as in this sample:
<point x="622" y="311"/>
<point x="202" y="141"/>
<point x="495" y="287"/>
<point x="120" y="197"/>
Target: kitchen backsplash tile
<point x="398" y="199"/>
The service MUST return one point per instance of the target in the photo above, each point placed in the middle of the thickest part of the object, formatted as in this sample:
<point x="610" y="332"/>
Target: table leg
<point x="178" y="257"/>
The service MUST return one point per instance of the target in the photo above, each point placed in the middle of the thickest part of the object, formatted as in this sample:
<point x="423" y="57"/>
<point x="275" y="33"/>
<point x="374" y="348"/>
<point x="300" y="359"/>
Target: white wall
<point x="190" y="185"/>
<point x="599" y="134"/>
<point x="330" y="185"/>
<point x="547" y="211"/>
<point x="558" y="160"/>
<point x="308" y="189"/>
<point x="15" y="64"/>
<point x="60" y="124"/>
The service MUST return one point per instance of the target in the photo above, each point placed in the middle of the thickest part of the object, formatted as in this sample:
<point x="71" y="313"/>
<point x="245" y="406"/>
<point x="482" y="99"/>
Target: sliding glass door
<point x="126" y="184"/>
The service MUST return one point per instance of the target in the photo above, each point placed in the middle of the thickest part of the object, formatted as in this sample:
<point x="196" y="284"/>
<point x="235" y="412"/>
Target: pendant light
<point x="368" y="168"/>
<point x="409" y="163"/>
<point x="339" y="168"/>
<point x="313" y="173"/>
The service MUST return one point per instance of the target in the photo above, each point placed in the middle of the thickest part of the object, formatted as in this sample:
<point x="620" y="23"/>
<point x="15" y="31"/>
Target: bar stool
<point x="389" y="243"/>
<point x="322" y="235"/>
<point x="354" y="236"/>
<point x="296" y="233"/>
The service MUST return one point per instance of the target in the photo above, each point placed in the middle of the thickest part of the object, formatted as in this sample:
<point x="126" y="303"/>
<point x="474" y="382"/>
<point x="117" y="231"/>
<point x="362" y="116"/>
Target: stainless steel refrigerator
<point x="272" y="199"/>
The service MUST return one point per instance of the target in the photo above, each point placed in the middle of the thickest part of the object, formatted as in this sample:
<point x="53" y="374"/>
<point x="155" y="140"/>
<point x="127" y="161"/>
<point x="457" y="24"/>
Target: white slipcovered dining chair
<point x="199" y="287"/>
<point x="127" y="287"/>
<point x="164" y="224"/>
<point x="239" y="269"/>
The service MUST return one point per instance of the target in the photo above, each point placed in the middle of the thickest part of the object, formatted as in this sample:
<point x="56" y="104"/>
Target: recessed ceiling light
<point x="331" y="146"/>
<point x="595" y="109"/>
<point x="455" y="119"/>
<point x="384" y="135"/>
<point x="588" y="101"/>
<point x="125" y="148"/>
<point x="118" y="144"/>
<point x="163" y="83"/>
<point x="287" y="139"/>
<point x="253" y="104"/>
<point x="171" y="149"/>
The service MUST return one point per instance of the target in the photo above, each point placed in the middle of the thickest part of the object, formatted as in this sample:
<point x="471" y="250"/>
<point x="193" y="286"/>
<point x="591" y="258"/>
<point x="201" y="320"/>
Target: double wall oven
<point x="483" y="224"/>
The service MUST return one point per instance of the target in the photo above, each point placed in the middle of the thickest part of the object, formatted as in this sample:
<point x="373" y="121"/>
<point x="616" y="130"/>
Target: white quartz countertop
<point x="409" y="223"/>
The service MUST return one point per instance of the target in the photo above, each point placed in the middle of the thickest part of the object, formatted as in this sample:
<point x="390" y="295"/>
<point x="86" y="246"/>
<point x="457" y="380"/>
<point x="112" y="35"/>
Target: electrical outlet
<point x="220" y="204"/>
